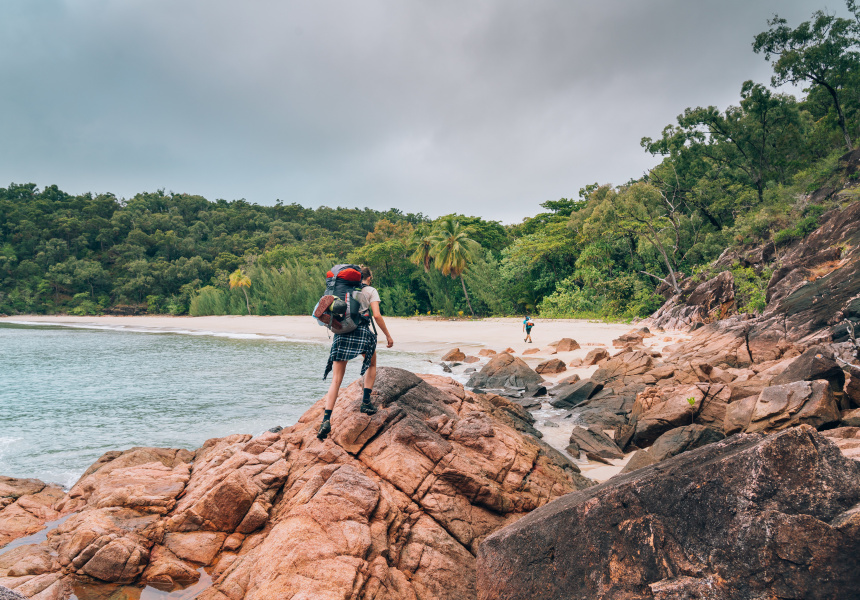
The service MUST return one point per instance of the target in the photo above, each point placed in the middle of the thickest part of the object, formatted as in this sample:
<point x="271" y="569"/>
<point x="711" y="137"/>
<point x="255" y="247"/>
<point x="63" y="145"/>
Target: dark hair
<point x="366" y="273"/>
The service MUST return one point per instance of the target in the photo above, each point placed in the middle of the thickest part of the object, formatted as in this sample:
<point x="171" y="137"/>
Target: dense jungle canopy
<point x="724" y="178"/>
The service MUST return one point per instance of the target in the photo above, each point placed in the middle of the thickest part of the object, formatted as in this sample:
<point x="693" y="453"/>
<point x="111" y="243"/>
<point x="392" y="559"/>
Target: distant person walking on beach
<point x="347" y="346"/>
<point x="527" y="327"/>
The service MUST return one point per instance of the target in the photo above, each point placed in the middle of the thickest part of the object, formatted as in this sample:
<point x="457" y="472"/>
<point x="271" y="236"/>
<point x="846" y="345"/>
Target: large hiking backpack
<point x="339" y="309"/>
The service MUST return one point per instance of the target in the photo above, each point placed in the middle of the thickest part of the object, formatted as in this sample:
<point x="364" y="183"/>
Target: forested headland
<point x="737" y="177"/>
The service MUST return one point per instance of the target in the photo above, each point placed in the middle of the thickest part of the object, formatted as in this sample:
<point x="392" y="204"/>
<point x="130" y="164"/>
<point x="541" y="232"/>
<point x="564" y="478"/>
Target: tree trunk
<point x="840" y="115"/>
<point x="465" y="293"/>
<point x="247" y="304"/>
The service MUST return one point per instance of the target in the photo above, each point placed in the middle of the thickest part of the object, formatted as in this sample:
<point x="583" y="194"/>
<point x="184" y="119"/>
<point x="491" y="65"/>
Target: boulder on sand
<point x="551" y="366"/>
<point x="748" y="517"/>
<point x="454" y="355"/>
<point x="595" y="356"/>
<point x="504" y="370"/>
<point x="486" y="352"/>
<point x="532" y="351"/>
<point x="566" y="345"/>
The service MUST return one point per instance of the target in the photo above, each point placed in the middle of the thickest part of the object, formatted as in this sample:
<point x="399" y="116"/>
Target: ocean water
<point x="70" y="394"/>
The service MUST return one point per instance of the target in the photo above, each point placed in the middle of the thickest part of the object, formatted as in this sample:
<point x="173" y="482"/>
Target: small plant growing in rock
<point x="692" y="402"/>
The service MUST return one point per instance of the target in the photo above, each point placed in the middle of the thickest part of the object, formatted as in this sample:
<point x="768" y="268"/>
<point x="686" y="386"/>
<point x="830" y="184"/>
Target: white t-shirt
<point x="367" y="295"/>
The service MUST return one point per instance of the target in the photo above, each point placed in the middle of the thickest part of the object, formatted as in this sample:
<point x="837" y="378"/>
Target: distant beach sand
<point x="415" y="334"/>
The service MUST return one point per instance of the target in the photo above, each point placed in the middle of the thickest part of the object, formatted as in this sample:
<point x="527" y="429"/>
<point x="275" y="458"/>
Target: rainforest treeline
<point x="723" y="178"/>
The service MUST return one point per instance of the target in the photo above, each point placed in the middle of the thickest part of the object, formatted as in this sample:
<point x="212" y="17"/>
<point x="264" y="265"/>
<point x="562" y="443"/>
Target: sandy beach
<point x="413" y="334"/>
<point x="416" y="334"/>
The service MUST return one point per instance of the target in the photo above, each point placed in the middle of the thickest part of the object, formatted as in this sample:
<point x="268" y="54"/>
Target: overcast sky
<point x="483" y="107"/>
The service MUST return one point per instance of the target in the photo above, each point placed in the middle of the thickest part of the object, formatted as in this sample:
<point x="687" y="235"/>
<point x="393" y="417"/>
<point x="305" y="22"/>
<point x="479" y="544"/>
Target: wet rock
<point x="471" y="359"/>
<point x="504" y="370"/>
<point x="593" y="440"/>
<point x="551" y="366"/>
<point x="25" y="505"/>
<point x="570" y="394"/>
<point x="454" y="355"/>
<point x="682" y="439"/>
<point x="446" y="368"/>
<point x="760" y="517"/>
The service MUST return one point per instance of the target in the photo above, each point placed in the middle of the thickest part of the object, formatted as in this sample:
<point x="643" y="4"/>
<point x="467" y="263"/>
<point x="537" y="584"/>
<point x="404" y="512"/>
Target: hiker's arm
<point x="378" y="316"/>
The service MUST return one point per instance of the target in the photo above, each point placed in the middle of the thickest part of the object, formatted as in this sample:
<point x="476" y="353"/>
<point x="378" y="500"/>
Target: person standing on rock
<point x="347" y="346"/>
<point x="527" y="327"/>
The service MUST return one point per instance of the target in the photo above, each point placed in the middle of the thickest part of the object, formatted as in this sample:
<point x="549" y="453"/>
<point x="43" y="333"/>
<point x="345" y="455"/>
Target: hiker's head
<point x="366" y="274"/>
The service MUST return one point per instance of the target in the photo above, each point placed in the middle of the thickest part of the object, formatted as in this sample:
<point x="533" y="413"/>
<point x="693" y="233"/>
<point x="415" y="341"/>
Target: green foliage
<point x="735" y="177"/>
<point x="750" y="289"/>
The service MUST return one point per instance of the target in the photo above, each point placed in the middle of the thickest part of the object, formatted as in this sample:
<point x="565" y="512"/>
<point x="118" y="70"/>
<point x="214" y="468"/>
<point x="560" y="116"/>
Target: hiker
<point x="527" y="327"/>
<point x="347" y="346"/>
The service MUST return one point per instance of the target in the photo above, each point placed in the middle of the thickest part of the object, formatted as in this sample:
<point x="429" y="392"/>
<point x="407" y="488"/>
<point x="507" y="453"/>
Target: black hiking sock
<point x="325" y="426"/>
<point x="366" y="407"/>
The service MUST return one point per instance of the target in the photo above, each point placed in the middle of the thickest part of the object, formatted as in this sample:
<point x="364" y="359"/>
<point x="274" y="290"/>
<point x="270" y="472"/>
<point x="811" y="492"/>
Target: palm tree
<point x="422" y="255"/>
<point x="239" y="280"/>
<point x="452" y="250"/>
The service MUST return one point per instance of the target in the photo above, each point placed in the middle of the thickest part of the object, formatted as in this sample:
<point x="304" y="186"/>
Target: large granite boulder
<point x="782" y="406"/>
<point x="569" y="395"/>
<point x="682" y="439"/>
<point x="392" y="505"/>
<point x="816" y="363"/>
<point x="747" y="518"/>
<point x="504" y="370"/>
<point x="593" y="441"/>
<point x="551" y="367"/>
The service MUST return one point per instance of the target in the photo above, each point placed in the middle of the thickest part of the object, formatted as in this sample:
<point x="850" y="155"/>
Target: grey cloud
<point x="484" y="107"/>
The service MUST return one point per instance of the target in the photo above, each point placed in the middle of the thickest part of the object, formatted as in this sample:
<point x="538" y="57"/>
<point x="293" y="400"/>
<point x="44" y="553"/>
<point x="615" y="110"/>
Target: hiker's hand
<point x="390" y="341"/>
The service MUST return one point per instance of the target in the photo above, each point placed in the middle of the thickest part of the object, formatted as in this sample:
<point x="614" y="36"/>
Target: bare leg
<point x="337" y="372"/>
<point x="370" y="374"/>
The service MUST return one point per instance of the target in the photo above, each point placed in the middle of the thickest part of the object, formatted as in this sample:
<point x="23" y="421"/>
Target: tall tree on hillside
<point x="822" y="52"/>
<point x="452" y="251"/>
<point x="239" y="280"/>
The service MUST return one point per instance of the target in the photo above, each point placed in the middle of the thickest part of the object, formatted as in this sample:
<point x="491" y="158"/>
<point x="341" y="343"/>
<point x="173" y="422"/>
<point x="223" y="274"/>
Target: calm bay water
<point x="67" y="395"/>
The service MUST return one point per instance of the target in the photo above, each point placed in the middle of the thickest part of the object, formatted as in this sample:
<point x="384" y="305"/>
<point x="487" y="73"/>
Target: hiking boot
<point x="325" y="429"/>
<point x="367" y="408"/>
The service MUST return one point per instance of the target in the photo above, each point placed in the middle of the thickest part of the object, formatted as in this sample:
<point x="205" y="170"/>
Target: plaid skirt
<point x="347" y="346"/>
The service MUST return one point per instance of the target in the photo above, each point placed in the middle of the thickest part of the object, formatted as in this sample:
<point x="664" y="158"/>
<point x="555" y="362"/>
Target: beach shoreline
<point x="411" y="334"/>
<point x="424" y="335"/>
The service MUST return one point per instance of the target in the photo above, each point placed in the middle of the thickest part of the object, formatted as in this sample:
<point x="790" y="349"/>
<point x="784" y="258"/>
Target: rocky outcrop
<point x="504" y="371"/>
<point x="748" y="517"/>
<point x="393" y="505"/>
<point x="704" y="302"/>
<point x="25" y="505"/>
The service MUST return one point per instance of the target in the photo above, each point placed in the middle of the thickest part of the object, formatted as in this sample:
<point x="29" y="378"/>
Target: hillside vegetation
<point x="762" y="170"/>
